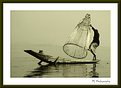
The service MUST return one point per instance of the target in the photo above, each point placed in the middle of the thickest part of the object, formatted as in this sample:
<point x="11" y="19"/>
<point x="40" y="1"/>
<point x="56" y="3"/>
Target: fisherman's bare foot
<point x="94" y="58"/>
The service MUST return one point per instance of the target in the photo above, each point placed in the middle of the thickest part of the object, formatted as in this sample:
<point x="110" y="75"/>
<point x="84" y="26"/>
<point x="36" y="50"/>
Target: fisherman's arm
<point x="92" y="27"/>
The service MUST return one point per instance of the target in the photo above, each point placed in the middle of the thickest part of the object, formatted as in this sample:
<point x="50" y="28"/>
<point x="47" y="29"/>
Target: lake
<point x="25" y="65"/>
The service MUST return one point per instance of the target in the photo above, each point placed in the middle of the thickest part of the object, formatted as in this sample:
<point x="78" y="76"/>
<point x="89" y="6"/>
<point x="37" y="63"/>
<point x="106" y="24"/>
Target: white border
<point x="7" y="7"/>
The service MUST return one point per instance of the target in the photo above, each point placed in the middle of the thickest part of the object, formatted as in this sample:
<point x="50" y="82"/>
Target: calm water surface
<point x="24" y="65"/>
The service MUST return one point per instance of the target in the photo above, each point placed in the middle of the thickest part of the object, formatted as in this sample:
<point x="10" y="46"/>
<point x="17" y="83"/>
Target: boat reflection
<point x="38" y="72"/>
<point x="63" y="70"/>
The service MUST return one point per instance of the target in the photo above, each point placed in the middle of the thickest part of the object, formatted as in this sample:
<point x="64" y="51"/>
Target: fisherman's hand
<point x="90" y="25"/>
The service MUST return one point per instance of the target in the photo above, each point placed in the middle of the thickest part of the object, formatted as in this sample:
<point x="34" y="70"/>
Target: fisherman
<point x="95" y="42"/>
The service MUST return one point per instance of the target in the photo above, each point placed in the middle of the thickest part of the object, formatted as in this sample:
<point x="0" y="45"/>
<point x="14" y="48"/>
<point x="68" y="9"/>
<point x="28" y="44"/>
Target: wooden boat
<point x="51" y="60"/>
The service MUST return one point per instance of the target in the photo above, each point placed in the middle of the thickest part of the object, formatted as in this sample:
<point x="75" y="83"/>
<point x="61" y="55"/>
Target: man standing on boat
<point x="95" y="42"/>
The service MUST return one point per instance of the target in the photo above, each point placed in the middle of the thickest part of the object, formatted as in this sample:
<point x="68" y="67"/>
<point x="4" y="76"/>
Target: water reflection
<point x="38" y="72"/>
<point x="63" y="70"/>
<point x="93" y="73"/>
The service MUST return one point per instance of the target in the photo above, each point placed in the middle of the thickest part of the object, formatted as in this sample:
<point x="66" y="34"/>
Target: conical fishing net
<point x="79" y="40"/>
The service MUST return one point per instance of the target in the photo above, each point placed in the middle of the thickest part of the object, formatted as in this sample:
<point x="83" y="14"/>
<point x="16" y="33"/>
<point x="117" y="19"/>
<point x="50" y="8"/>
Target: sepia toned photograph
<point x="48" y="44"/>
<point x="60" y="44"/>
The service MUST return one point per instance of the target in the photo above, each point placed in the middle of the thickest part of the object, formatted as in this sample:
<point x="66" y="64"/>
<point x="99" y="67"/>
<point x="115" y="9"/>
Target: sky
<point x="54" y="27"/>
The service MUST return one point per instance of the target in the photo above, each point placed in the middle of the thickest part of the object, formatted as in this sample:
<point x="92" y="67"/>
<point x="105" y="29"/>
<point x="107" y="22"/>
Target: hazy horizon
<point x="54" y="27"/>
